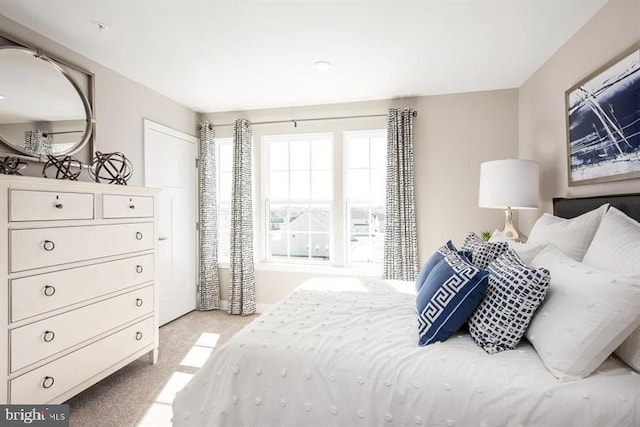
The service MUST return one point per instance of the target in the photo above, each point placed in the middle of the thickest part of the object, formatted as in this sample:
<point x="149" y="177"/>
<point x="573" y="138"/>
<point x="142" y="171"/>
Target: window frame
<point x="219" y="202"/>
<point x="267" y="201"/>
<point x="349" y="201"/>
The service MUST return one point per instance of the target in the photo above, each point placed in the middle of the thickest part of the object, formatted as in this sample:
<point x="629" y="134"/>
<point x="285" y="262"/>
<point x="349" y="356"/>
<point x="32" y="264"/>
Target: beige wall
<point x="120" y="103"/>
<point x="542" y="133"/>
<point x="453" y="134"/>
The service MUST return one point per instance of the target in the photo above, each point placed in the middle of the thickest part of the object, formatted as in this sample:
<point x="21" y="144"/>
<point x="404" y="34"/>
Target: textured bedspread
<point x="342" y="352"/>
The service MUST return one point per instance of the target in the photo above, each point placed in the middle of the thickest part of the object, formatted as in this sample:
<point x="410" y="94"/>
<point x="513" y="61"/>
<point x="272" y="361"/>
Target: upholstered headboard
<point x="570" y="208"/>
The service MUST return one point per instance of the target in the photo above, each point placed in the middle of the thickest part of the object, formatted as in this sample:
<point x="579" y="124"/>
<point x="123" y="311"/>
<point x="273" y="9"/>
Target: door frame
<point x="148" y="126"/>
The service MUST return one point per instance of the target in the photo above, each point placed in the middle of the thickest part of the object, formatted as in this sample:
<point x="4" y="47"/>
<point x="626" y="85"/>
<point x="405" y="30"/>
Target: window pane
<point x="359" y="184"/>
<point x="319" y="220"/>
<point x="378" y="184"/>
<point x="224" y="217"/>
<point x="300" y="185"/>
<point x="366" y="237"/>
<point x="278" y="217"/>
<point x="278" y="243"/>
<point x="360" y="248"/>
<point x="378" y="218"/>
<point x="225" y="187"/>
<point x="224" y="246"/>
<point x="226" y="157"/>
<point x="279" y="185"/>
<point x="320" y="246"/>
<point x="378" y="153"/>
<point x="299" y="245"/>
<point x="278" y="156"/>
<point x="321" y="185"/>
<point x="298" y="218"/>
<point x="299" y="155"/>
<point x="366" y="248"/>
<point x="321" y="154"/>
<point x="358" y="153"/>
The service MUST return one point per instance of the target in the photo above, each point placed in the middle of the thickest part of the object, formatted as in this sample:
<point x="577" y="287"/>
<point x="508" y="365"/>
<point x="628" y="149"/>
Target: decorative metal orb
<point x="12" y="165"/>
<point x="112" y="168"/>
<point x="66" y="167"/>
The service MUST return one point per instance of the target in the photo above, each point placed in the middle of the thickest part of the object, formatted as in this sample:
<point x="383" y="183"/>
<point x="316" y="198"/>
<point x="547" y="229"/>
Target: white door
<point x="170" y="164"/>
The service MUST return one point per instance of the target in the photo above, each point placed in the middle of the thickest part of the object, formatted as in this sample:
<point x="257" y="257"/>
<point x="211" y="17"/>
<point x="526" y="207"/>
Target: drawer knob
<point x="138" y="235"/>
<point x="49" y="290"/>
<point x="49" y="336"/>
<point x="138" y="336"/>
<point x="139" y="269"/>
<point x="59" y="205"/>
<point x="132" y="206"/>
<point x="139" y="302"/>
<point x="49" y="245"/>
<point x="48" y="382"/>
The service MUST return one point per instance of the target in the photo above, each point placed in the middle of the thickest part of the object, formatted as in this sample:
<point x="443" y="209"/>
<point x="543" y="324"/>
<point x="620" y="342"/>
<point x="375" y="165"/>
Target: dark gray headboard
<point x="570" y="208"/>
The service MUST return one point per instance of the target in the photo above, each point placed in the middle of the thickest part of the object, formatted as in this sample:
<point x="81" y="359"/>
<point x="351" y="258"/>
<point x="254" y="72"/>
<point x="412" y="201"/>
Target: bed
<point x="342" y="352"/>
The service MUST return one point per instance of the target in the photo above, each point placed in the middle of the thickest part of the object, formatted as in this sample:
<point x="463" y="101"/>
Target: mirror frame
<point x="87" y="102"/>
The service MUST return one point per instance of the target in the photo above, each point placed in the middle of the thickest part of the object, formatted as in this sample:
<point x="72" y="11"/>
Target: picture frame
<point x="603" y="122"/>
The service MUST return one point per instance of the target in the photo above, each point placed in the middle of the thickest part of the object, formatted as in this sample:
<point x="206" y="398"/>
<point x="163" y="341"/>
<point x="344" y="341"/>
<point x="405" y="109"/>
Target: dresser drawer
<point x="25" y="205"/>
<point x="41" y="339"/>
<point x="43" y="247"/>
<point x="53" y="379"/>
<point x="34" y="295"/>
<point x="118" y="206"/>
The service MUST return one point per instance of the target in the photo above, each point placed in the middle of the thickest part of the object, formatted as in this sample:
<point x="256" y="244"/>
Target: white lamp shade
<point x="509" y="184"/>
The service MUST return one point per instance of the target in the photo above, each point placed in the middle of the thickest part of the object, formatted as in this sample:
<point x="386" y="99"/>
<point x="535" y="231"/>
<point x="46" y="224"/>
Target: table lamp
<point x="509" y="184"/>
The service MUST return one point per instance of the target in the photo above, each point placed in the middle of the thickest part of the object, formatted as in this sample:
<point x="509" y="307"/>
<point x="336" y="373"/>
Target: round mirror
<point x="43" y="110"/>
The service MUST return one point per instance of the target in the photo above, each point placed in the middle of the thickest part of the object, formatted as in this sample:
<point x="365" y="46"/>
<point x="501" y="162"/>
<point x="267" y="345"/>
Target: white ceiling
<point x="240" y="55"/>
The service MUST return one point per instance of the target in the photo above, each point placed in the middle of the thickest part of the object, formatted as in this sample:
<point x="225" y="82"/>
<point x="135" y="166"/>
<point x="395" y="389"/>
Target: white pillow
<point x="587" y="313"/>
<point x="526" y="251"/>
<point x="616" y="246"/>
<point x="571" y="236"/>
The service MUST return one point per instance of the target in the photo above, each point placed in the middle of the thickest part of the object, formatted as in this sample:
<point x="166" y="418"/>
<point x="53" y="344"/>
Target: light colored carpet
<point x="140" y="394"/>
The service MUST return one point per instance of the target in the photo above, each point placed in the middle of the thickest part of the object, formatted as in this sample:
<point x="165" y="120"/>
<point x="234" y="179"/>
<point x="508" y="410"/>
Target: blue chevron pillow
<point x="451" y="292"/>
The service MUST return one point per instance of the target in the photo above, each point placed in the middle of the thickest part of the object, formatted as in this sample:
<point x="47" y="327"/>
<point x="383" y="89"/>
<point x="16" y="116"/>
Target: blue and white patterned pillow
<point x="482" y="253"/>
<point x="452" y="291"/>
<point x="514" y="293"/>
<point x="431" y="262"/>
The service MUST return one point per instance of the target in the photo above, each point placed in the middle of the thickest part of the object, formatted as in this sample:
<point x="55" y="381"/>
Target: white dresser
<point x="78" y="299"/>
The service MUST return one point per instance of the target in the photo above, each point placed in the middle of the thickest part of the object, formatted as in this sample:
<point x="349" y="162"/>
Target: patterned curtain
<point x="400" y="239"/>
<point x="242" y="286"/>
<point x="209" y="278"/>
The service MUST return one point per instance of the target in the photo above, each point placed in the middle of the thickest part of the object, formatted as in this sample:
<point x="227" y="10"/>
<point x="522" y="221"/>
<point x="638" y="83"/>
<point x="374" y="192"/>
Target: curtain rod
<point x="295" y="121"/>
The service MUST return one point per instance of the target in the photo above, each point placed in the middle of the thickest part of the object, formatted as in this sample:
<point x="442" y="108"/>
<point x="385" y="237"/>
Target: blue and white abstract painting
<point x="604" y="124"/>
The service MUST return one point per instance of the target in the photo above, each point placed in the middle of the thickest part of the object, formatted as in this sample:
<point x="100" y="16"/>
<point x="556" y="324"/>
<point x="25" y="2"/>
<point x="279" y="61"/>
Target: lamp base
<point x="510" y="231"/>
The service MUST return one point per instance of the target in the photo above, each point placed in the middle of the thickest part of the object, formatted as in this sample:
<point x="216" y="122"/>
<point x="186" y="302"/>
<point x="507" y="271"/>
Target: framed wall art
<point x="603" y="122"/>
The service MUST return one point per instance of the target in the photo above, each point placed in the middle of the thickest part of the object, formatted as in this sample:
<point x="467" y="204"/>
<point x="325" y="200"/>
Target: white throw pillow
<point x="526" y="251"/>
<point x="571" y="236"/>
<point x="616" y="246"/>
<point x="586" y="315"/>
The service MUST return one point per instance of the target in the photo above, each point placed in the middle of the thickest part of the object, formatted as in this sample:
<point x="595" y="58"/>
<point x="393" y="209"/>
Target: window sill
<point x="315" y="269"/>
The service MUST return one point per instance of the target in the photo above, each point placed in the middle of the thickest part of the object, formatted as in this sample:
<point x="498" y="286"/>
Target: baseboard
<point x="260" y="308"/>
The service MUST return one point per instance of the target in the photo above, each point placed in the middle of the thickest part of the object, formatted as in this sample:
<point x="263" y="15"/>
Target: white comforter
<point x="342" y="352"/>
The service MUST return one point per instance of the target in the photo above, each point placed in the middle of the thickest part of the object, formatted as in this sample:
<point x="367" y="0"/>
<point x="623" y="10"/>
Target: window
<point x="224" y="166"/>
<point x="298" y="194"/>
<point x="365" y="179"/>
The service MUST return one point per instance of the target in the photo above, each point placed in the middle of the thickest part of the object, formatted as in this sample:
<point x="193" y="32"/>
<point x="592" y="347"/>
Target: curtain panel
<point x="208" y="294"/>
<point x="400" y="238"/>
<point x="242" y="287"/>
